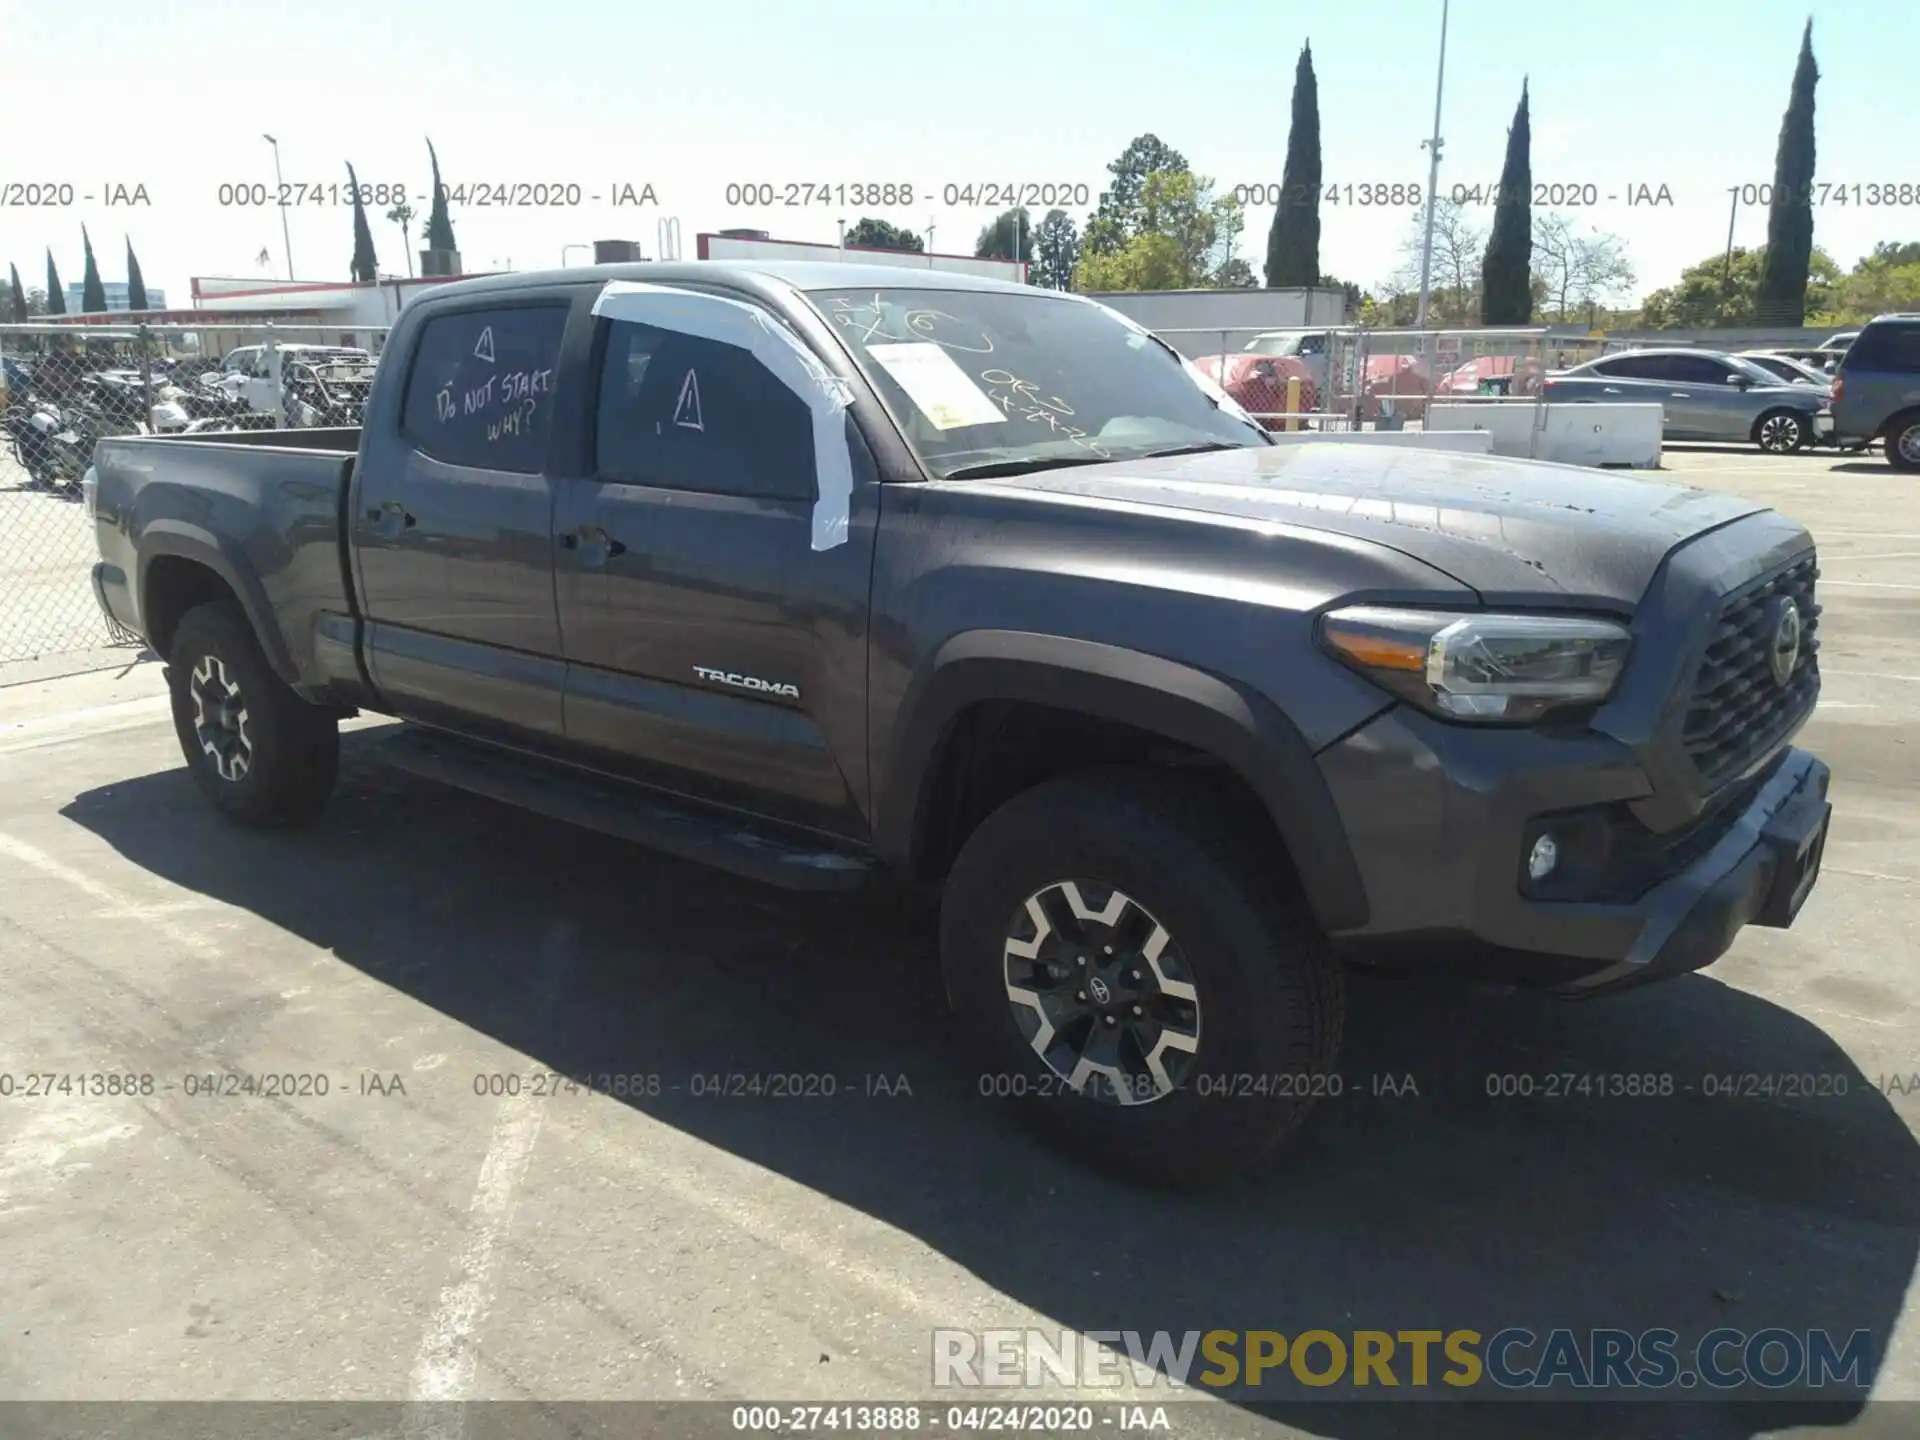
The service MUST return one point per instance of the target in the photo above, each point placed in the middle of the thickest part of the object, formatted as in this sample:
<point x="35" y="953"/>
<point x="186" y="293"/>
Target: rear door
<point x="1623" y="380"/>
<point x="452" y="520"/>
<point x="712" y="649"/>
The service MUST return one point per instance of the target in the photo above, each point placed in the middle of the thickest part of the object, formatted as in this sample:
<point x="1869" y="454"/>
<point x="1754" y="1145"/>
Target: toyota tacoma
<point x="831" y="575"/>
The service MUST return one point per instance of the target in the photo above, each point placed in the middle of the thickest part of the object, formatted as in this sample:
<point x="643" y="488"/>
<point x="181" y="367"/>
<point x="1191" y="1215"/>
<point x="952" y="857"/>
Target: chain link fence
<point x="64" y="388"/>
<point x="1354" y="378"/>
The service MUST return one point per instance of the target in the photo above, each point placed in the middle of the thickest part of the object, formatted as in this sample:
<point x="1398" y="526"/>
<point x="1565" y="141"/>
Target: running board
<point x="683" y="828"/>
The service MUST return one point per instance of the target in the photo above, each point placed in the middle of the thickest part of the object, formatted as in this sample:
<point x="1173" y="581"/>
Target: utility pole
<point x="285" y="238"/>
<point x="1726" y="266"/>
<point x="1433" y="173"/>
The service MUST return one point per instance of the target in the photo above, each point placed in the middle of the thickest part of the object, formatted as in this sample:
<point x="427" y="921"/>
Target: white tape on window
<point x="746" y="327"/>
<point x="1208" y="385"/>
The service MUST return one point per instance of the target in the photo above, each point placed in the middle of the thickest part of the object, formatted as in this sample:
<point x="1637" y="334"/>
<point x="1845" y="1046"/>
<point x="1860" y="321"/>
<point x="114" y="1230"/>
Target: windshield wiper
<point x="1205" y="447"/>
<point x="993" y="468"/>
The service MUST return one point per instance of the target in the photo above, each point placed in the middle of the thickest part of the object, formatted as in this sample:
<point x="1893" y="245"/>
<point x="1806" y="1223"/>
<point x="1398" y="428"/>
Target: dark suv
<point x="1876" y="390"/>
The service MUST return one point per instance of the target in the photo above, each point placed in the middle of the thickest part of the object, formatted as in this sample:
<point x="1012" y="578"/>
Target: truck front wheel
<point x="1137" y="981"/>
<point x="259" y="752"/>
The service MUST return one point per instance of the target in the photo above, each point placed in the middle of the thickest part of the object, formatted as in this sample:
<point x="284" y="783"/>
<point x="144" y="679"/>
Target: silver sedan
<point x="1703" y="395"/>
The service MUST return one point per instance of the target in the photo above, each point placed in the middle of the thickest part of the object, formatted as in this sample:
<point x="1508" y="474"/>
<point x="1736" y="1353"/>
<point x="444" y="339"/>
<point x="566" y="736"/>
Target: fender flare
<point x="225" y="558"/>
<point x="1244" y="730"/>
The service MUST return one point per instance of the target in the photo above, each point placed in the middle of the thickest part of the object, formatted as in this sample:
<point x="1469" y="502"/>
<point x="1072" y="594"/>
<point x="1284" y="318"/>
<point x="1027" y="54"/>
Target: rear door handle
<point x="1682" y="394"/>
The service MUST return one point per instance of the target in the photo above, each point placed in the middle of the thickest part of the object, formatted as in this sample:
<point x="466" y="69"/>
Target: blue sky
<point x="692" y="97"/>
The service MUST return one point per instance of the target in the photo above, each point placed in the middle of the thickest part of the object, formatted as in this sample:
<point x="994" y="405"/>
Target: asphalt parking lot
<point x="412" y="1235"/>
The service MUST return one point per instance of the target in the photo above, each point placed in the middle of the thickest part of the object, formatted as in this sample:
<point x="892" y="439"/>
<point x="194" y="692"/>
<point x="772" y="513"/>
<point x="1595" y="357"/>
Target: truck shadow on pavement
<point x="1417" y="1200"/>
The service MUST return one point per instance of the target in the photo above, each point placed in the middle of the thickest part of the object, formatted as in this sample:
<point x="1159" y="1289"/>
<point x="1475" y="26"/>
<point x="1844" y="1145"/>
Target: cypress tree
<point x="136" y="282"/>
<point x="1506" y="275"/>
<point x="364" y="266"/>
<point x="93" y="295"/>
<point x="19" y="297"/>
<point x="1782" y="296"/>
<point x="1293" y="243"/>
<point x="56" y="296"/>
<point x="439" y="224"/>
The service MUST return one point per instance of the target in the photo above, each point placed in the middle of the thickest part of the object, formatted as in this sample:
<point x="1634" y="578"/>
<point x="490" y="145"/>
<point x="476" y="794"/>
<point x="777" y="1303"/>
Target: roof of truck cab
<point x="801" y="274"/>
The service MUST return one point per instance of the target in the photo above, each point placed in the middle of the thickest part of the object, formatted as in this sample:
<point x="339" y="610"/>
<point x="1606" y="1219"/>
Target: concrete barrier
<point x="1627" y="435"/>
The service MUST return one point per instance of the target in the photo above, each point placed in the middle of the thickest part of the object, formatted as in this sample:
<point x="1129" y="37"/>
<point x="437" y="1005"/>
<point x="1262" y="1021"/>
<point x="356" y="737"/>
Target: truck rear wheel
<point x="259" y="752"/>
<point x="1136" y="983"/>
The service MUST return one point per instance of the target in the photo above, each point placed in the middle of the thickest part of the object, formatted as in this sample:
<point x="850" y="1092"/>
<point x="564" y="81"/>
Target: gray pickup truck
<point x="831" y="574"/>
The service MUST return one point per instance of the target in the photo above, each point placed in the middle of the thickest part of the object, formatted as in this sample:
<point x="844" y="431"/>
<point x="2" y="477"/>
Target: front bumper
<point x="1440" y="819"/>
<point x="114" y="596"/>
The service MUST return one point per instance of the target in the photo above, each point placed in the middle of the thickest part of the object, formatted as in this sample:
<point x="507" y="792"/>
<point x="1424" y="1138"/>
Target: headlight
<point x="1480" y="667"/>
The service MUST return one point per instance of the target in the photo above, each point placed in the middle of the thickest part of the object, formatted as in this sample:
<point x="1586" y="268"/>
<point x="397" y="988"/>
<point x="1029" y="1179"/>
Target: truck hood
<point x="1506" y="528"/>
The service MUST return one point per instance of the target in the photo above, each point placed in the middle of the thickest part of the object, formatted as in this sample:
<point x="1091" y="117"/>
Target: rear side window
<point x="481" y="391"/>
<point x="687" y="413"/>
<point x="1887" y="347"/>
<point x="1634" y="367"/>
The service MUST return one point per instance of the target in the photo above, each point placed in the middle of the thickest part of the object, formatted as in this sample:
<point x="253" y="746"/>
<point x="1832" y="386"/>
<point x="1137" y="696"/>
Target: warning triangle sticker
<point x="686" y="410"/>
<point x="483" y="347"/>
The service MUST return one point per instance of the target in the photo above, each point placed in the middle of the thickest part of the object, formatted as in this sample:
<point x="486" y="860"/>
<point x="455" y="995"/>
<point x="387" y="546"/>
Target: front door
<point x="452" y="525"/>
<point x="711" y="648"/>
<point x="1704" y="406"/>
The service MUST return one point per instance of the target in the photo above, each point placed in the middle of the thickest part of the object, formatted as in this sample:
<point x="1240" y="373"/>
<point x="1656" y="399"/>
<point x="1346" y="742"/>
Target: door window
<point x="1699" y="370"/>
<point x="683" y="412"/>
<point x="481" y="392"/>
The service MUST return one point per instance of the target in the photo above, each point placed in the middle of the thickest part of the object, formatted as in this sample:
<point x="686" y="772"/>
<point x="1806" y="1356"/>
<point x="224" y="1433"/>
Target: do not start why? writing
<point x="507" y="401"/>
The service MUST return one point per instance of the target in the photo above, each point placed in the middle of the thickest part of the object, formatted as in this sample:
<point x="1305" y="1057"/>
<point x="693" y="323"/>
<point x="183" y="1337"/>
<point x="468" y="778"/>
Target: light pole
<point x="285" y="238"/>
<point x="1433" y="173"/>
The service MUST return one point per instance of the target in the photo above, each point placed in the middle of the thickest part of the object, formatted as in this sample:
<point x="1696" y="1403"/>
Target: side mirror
<point x="1740" y="382"/>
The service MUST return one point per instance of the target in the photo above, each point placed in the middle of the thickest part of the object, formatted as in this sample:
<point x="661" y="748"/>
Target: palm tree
<point x="402" y="215"/>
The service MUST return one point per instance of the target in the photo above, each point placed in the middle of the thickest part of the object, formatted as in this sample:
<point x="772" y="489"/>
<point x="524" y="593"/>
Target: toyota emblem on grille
<point x="1783" y="651"/>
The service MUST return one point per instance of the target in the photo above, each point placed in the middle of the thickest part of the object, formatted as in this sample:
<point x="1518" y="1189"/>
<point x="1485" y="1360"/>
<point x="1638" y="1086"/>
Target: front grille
<point x="1739" y="711"/>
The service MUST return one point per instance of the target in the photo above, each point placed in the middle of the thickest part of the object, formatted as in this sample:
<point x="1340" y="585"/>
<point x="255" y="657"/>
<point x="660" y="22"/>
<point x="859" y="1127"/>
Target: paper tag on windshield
<point x="939" y="388"/>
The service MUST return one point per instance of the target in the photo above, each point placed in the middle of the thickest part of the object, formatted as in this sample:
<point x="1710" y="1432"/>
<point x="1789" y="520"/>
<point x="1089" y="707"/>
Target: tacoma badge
<point x="748" y="682"/>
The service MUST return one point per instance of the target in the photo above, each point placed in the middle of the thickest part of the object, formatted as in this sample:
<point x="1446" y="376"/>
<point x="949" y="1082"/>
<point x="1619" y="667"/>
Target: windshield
<point x="1790" y="369"/>
<point x="1754" y="370"/>
<point x="991" y="379"/>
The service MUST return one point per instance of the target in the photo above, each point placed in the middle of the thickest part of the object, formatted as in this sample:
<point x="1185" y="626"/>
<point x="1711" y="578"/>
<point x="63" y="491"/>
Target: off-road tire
<point x="1271" y="1000"/>
<point x="293" y="747"/>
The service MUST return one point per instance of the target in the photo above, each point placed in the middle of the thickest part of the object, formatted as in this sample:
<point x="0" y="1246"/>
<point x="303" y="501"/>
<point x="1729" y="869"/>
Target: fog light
<point x="1544" y="856"/>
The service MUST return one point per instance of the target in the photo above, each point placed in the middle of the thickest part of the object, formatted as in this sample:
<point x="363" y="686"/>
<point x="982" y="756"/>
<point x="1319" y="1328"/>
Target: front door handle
<point x="1682" y="395"/>
<point x="596" y="547"/>
<point x="391" y="515"/>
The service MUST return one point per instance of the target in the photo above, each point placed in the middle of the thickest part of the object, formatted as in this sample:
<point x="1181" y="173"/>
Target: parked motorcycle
<point x="54" y="445"/>
<point x="329" y="392"/>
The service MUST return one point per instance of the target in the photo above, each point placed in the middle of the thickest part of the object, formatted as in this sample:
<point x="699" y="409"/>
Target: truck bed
<point x="344" y="439"/>
<point x="262" y="509"/>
